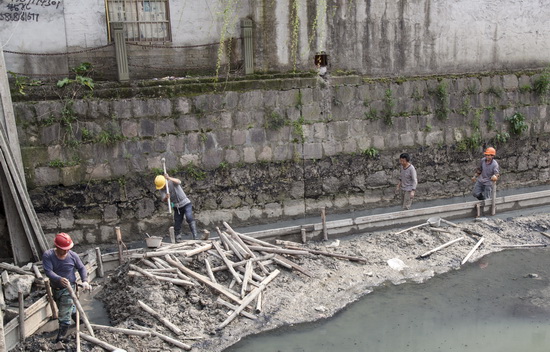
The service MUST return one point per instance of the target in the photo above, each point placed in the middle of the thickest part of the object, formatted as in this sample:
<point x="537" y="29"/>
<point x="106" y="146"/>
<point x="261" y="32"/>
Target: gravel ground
<point x="293" y="297"/>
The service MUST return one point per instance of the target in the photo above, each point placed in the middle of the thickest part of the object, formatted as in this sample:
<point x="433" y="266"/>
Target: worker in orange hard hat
<point x="60" y="265"/>
<point x="487" y="172"/>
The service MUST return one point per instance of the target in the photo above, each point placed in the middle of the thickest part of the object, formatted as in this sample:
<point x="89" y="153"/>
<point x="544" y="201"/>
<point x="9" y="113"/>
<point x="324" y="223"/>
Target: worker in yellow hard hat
<point x="487" y="172"/>
<point x="181" y="204"/>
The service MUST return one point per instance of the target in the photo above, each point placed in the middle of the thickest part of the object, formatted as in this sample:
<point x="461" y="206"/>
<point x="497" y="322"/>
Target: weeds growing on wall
<point x="541" y="86"/>
<point x="275" y="121"/>
<point x="295" y="20"/>
<point x="389" y="104"/>
<point x="517" y="123"/>
<point x="228" y="20"/>
<point x="194" y="172"/>
<point x="441" y="101"/>
<point x="371" y="153"/>
<point x="21" y="83"/>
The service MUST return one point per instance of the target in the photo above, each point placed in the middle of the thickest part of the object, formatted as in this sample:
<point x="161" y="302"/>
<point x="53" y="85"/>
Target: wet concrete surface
<point x="501" y="303"/>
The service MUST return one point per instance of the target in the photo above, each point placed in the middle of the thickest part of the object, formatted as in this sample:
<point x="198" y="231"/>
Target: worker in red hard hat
<point x="487" y="172"/>
<point x="60" y="265"/>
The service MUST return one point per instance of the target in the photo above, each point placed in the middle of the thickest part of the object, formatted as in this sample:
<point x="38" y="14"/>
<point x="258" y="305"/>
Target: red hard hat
<point x="63" y="241"/>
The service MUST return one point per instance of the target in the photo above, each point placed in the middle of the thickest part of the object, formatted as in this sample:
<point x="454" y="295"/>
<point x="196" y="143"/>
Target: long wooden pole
<point x="21" y="316"/>
<point x="119" y="242"/>
<point x="160" y="318"/>
<point x="99" y="261"/>
<point x="81" y="310"/>
<point x="101" y="343"/>
<point x="324" y="221"/>
<point x="472" y="251"/>
<point x="248" y="299"/>
<point x="441" y="247"/>
<point x="494" y="198"/>
<point x="49" y="293"/>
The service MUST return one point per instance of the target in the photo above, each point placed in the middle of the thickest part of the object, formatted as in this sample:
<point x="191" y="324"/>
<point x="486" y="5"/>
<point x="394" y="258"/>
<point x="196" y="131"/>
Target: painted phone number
<point x="19" y="16"/>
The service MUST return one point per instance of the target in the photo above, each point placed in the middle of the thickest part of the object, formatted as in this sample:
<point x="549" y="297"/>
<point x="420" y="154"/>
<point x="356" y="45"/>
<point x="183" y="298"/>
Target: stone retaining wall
<point x="251" y="156"/>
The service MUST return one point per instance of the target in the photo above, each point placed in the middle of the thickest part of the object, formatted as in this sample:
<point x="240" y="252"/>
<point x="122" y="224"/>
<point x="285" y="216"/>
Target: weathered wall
<point x="379" y="38"/>
<point x="286" y="150"/>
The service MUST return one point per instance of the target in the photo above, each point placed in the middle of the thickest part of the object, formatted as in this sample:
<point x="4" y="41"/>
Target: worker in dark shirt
<point x="60" y="265"/>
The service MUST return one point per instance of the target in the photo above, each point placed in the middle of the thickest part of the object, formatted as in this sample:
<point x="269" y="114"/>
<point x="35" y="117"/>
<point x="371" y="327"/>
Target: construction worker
<point x="407" y="181"/>
<point x="180" y="203"/>
<point x="60" y="265"/>
<point x="487" y="172"/>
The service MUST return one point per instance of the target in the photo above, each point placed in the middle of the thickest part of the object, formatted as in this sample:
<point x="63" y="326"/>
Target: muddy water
<point x="493" y="305"/>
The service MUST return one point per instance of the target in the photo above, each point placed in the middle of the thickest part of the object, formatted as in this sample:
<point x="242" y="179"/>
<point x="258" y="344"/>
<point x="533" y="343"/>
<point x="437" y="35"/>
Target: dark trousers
<point x="179" y="213"/>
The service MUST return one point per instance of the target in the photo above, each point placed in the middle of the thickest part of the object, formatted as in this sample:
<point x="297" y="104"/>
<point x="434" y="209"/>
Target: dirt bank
<point x="294" y="297"/>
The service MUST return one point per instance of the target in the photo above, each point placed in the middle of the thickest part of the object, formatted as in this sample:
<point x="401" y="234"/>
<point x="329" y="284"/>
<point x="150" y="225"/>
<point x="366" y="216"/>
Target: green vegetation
<point x="541" y="86"/>
<point x="502" y="137"/>
<point x="442" y="101"/>
<point x="469" y="143"/>
<point x="517" y="123"/>
<point x="371" y="152"/>
<point x="497" y="92"/>
<point x="195" y="172"/>
<point x="389" y="104"/>
<point x="275" y="121"/>
<point x="22" y="82"/>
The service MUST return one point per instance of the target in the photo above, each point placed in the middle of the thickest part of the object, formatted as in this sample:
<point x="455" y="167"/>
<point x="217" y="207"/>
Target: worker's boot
<point x="61" y="332"/>
<point x="193" y="227"/>
<point x="73" y="317"/>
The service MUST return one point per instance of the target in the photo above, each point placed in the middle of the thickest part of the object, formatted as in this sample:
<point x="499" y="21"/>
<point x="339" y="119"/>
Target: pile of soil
<point x="293" y="297"/>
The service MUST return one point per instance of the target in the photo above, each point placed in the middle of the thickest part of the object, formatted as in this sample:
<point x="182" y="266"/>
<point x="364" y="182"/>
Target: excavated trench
<point x="498" y="294"/>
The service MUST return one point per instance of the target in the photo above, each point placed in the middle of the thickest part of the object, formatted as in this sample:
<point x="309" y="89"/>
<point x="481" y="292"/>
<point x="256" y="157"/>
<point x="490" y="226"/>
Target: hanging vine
<point x="229" y="18"/>
<point x="295" y="20"/>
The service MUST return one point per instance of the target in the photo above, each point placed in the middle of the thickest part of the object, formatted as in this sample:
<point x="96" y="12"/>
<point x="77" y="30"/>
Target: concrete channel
<point x="334" y="226"/>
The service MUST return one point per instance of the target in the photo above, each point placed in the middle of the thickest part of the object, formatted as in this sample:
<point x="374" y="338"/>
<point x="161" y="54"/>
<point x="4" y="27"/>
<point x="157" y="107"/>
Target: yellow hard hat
<point x="160" y="181"/>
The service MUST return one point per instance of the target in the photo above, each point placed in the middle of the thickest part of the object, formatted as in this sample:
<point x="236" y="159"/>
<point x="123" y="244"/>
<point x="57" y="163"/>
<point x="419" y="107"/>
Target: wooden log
<point x="99" y="260"/>
<point x="233" y="307"/>
<point x="330" y="254"/>
<point x="411" y="228"/>
<point x="51" y="301"/>
<point x="545" y="234"/>
<point x="2" y="333"/>
<point x="279" y="259"/>
<point x="519" y="245"/>
<point x="174" y="281"/>
<point x="227" y="262"/>
<point x="160" y="318"/>
<point x="304" y="235"/>
<point x="494" y="199"/>
<point x="259" y="302"/>
<point x="199" y="250"/>
<point x="247" y="276"/>
<point x="435" y="229"/>
<point x="172" y="234"/>
<point x="76" y="302"/>
<point x="149" y="263"/>
<point x="77" y="330"/>
<point x="279" y="250"/>
<point x="119" y="243"/>
<point x="100" y="343"/>
<point x="121" y="330"/>
<point x="472" y="251"/>
<point x="163" y="253"/>
<point x="161" y="263"/>
<point x="324" y="222"/>
<point x="478" y="210"/>
<point x="450" y="223"/>
<point x="249" y="251"/>
<point x="21" y="316"/>
<point x="243" y="262"/>
<point x="229" y="244"/>
<point x="163" y="270"/>
<point x="205" y="234"/>
<point x="441" y="247"/>
<point x="142" y="272"/>
<point x="248" y="238"/>
<point x="249" y="298"/>
<point x="166" y="338"/>
<point x="288" y="243"/>
<point x="209" y="271"/>
<point x="470" y="232"/>
<point x="37" y="272"/>
<point x="203" y="279"/>
<point x="15" y="269"/>
<point x="253" y="274"/>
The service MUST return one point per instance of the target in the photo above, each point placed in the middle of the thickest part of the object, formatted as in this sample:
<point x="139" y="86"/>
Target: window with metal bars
<point x="144" y="21"/>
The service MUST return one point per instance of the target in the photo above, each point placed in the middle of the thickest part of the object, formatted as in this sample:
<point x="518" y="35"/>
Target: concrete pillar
<point x="120" y="51"/>
<point x="246" y="26"/>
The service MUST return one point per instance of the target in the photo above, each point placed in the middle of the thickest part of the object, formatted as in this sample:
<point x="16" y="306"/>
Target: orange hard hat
<point x="63" y="241"/>
<point x="490" y="151"/>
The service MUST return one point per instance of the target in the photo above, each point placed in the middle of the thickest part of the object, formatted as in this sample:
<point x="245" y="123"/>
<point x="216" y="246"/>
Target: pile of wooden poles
<point x="250" y="263"/>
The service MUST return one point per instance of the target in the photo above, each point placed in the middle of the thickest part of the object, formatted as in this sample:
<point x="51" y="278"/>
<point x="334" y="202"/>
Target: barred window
<point x="144" y="20"/>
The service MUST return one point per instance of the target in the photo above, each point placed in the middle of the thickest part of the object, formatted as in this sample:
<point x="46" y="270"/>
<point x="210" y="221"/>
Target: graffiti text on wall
<point x="26" y="10"/>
